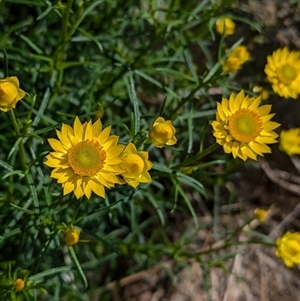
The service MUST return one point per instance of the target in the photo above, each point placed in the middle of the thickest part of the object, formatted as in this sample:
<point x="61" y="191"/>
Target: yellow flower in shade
<point x="19" y="284"/>
<point x="289" y="141"/>
<point x="260" y="214"/>
<point x="259" y="90"/>
<point x="225" y="25"/>
<point x="71" y="237"/>
<point x="162" y="132"/>
<point x="283" y="72"/>
<point x="10" y="93"/>
<point x="85" y="158"/>
<point x="288" y="248"/>
<point x="244" y="128"/>
<point x="236" y="59"/>
<point x="136" y="166"/>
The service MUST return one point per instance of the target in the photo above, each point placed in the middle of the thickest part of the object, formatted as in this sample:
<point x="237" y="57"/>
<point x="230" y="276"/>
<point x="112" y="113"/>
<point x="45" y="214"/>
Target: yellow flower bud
<point x="71" y="237"/>
<point x="260" y="214"/>
<point x="288" y="248"/>
<point x="19" y="284"/>
<point x="236" y="59"/>
<point x="289" y="141"/>
<point x="10" y="93"/>
<point x="135" y="165"/>
<point x="228" y="24"/>
<point x="162" y="132"/>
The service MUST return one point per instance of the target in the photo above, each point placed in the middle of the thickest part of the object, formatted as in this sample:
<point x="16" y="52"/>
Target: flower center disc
<point x="287" y="73"/>
<point x="86" y="158"/>
<point x="245" y="125"/>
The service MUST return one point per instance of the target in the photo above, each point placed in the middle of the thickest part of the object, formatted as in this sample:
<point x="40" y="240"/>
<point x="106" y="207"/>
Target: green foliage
<point x="126" y="62"/>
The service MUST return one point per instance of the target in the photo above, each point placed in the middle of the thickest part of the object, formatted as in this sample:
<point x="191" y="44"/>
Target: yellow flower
<point x="236" y="59"/>
<point x="228" y="24"/>
<point x="10" y="93"/>
<point x="260" y="214"/>
<point x="288" y="248"/>
<point x="19" y="284"/>
<point x="86" y="158"/>
<point x="136" y="165"/>
<point x="71" y="237"/>
<point x="283" y="72"/>
<point x="289" y="141"/>
<point x="162" y="132"/>
<point x="244" y="128"/>
<point x="262" y="92"/>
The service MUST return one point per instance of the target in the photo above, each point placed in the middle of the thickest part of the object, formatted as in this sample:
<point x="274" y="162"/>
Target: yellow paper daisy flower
<point x="10" y="93"/>
<point x="162" y="132"/>
<point x="135" y="165"/>
<point x="283" y="72"/>
<point x="71" y="237"/>
<point x="288" y="248"/>
<point x="226" y="25"/>
<point x="289" y="141"/>
<point x="85" y="158"/>
<point x="19" y="284"/>
<point x="236" y="59"/>
<point x="243" y="128"/>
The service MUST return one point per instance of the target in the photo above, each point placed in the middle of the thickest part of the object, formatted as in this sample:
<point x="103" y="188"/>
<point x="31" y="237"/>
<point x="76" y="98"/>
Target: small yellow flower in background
<point x="289" y="141"/>
<point x="288" y="248"/>
<point x="71" y="237"/>
<point x="10" y="93"/>
<point x="283" y="72"/>
<point x="162" y="132"/>
<point x="19" y="284"/>
<point x="86" y="158"/>
<point x="225" y="25"/>
<point x="236" y="59"/>
<point x="261" y="91"/>
<point x="261" y="214"/>
<point x="243" y="128"/>
<point x="136" y="166"/>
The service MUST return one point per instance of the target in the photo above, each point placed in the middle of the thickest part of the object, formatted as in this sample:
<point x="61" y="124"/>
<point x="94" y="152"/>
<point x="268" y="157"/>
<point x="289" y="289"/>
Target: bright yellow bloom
<point x="86" y="158"/>
<point x="259" y="90"/>
<point x="10" y="93"/>
<point x="19" y="284"/>
<point x="162" y="132"/>
<point x="244" y="128"/>
<point x="283" y="72"/>
<point x="136" y="165"/>
<point x="236" y="59"/>
<point x="288" y="248"/>
<point x="289" y="141"/>
<point x="228" y="24"/>
<point x="71" y="237"/>
<point x="260" y="214"/>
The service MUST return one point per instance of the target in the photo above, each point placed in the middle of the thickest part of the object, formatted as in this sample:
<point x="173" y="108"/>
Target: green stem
<point x="66" y="16"/>
<point x="197" y="156"/>
<point x="5" y="63"/>
<point x="21" y="145"/>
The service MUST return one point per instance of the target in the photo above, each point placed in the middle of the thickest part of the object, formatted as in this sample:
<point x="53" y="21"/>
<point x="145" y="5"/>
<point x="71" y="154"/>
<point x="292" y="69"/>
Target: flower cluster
<point x="88" y="159"/>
